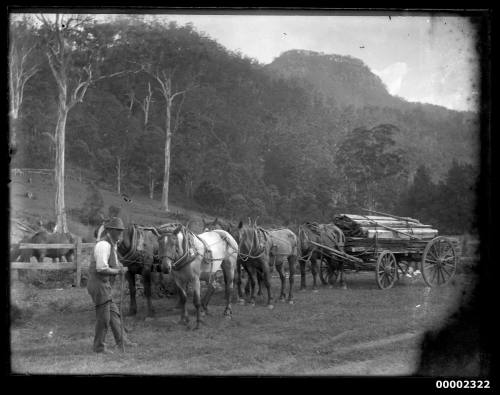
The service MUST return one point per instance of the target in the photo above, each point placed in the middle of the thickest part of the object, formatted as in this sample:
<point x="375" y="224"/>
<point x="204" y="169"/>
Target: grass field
<point x="358" y="331"/>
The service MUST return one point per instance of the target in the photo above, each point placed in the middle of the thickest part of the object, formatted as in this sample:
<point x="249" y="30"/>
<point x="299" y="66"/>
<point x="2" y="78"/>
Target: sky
<point x="422" y="58"/>
<point x="427" y="59"/>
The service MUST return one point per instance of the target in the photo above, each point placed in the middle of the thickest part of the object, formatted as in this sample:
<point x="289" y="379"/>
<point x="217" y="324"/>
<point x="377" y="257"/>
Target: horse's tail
<point x="297" y="243"/>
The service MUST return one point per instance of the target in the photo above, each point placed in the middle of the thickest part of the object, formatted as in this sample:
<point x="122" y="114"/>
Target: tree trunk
<point x="119" y="174"/>
<point x="13" y="132"/>
<point x="59" y="170"/>
<point x="166" y="174"/>
<point x="151" y="184"/>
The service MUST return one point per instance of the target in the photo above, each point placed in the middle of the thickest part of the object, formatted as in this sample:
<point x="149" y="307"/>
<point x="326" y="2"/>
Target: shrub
<point x="91" y="212"/>
<point x="238" y="206"/>
<point x="113" y="211"/>
<point x="209" y="195"/>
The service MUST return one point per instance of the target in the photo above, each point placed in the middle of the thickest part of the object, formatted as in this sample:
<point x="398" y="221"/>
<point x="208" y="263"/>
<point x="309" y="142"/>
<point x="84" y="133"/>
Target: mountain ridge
<point x="348" y="84"/>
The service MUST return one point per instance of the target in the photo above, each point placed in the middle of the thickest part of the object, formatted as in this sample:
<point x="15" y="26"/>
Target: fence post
<point x="78" y="261"/>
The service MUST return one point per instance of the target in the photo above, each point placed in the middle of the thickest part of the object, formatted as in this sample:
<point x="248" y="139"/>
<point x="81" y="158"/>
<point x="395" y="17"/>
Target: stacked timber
<point x="383" y="227"/>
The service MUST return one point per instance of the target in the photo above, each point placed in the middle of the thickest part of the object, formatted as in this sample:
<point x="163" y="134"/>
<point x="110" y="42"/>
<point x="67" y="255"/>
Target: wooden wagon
<point x="391" y="246"/>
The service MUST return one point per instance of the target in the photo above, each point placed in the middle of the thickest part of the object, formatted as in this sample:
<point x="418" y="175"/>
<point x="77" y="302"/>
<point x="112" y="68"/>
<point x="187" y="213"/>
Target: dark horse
<point x="232" y="229"/>
<point x="325" y="234"/>
<point x="45" y="237"/>
<point x="193" y="258"/>
<point x="138" y="251"/>
<point x="259" y="249"/>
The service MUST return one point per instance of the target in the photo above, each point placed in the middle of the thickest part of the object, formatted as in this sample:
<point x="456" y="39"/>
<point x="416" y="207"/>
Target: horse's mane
<point x="169" y="227"/>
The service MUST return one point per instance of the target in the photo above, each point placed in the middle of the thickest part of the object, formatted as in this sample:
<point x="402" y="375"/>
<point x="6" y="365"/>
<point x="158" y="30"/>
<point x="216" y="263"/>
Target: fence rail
<point x="69" y="173"/>
<point x="77" y="265"/>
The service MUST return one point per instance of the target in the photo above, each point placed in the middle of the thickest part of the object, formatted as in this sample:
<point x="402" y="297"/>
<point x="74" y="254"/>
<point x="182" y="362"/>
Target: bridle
<point x="178" y="262"/>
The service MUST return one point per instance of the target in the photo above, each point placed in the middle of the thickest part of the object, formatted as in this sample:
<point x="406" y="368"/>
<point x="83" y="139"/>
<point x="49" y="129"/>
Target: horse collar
<point x="189" y="253"/>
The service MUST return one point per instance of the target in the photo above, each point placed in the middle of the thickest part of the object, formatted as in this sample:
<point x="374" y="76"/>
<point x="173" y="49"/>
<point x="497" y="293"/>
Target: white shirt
<point x="101" y="255"/>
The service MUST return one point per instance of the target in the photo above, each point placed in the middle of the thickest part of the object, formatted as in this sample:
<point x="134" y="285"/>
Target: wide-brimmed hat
<point x="114" y="223"/>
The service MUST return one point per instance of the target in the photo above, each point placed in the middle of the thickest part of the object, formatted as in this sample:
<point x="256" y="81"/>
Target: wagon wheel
<point x="439" y="261"/>
<point x="385" y="270"/>
<point x="327" y="274"/>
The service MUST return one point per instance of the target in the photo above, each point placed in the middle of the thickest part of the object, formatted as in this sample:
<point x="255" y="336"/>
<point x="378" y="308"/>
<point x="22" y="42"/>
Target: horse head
<point x="215" y="224"/>
<point x="247" y="238"/>
<point x="171" y="248"/>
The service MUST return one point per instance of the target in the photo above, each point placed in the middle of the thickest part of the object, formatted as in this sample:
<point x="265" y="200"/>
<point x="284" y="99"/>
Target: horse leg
<point x="238" y="282"/>
<point x="251" y="273"/>
<point x="206" y="298"/>
<point x="279" y="268"/>
<point x="182" y="301"/>
<point x="228" y="272"/>
<point x="343" y="283"/>
<point x="131" y="286"/>
<point x="196" y="301"/>
<point x="146" y="276"/>
<point x="250" y="283"/>
<point x="291" y="274"/>
<point x="267" y="283"/>
<point x="179" y="302"/>
<point x="259" y="283"/>
<point x="314" y="272"/>
<point x="302" y="264"/>
<point x="247" y="287"/>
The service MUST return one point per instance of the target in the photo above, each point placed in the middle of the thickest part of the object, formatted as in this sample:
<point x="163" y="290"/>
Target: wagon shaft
<point x="338" y="254"/>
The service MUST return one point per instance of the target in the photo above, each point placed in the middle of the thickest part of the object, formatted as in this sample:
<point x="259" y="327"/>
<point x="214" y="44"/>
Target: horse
<point x="257" y="247"/>
<point x="138" y="251"/>
<point x="326" y="234"/>
<point x="45" y="237"/>
<point x="193" y="258"/>
<point x="233" y="231"/>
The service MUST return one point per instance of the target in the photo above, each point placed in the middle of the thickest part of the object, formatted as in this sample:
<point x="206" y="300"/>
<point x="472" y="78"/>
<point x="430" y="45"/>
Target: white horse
<point x="194" y="258"/>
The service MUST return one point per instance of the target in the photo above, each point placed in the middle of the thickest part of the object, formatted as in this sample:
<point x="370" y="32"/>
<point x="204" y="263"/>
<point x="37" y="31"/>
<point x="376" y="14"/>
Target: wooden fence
<point x="77" y="264"/>
<point x="71" y="174"/>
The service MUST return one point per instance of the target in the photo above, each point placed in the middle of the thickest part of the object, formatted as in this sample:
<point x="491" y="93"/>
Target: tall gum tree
<point x="22" y="67"/>
<point x="164" y="80"/>
<point x="73" y="53"/>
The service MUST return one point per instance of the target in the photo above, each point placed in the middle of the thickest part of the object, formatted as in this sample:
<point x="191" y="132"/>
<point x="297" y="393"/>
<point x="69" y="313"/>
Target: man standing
<point x="104" y="266"/>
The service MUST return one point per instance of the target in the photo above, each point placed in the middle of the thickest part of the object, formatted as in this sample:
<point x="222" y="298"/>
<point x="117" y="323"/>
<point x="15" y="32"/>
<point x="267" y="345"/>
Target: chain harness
<point x="189" y="254"/>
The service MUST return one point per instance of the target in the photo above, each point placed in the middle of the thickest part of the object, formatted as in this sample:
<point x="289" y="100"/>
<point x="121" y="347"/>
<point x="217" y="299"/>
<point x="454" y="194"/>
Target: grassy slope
<point x="141" y="210"/>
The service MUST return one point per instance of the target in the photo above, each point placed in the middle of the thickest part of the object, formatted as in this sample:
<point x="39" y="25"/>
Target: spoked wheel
<point x="327" y="274"/>
<point x="385" y="271"/>
<point x="439" y="261"/>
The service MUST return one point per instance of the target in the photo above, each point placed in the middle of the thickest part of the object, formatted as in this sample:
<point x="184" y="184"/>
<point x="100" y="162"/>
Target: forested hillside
<point x="300" y="139"/>
<point x="431" y="135"/>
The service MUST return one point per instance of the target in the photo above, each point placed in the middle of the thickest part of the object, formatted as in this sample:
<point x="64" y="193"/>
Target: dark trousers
<point x="107" y="315"/>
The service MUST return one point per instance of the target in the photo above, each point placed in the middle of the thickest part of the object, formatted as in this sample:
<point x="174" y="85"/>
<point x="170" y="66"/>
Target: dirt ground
<point x="361" y="331"/>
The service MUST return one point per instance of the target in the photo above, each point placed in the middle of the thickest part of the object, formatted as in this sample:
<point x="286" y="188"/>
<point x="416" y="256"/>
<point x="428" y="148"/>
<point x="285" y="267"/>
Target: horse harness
<point x="326" y="237"/>
<point x="136" y="253"/>
<point x="264" y="238"/>
<point x="190" y="254"/>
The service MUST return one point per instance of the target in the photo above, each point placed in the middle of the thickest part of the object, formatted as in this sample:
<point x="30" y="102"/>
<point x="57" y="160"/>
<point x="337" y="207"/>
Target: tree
<point x="456" y="209"/>
<point x="164" y="78"/>
<point x="419" y="201"/>
<point x="21" y="69"/>
<point x="72" y="84"/>
<point x="374" y="171"/>
<point x="73" y="53"/>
